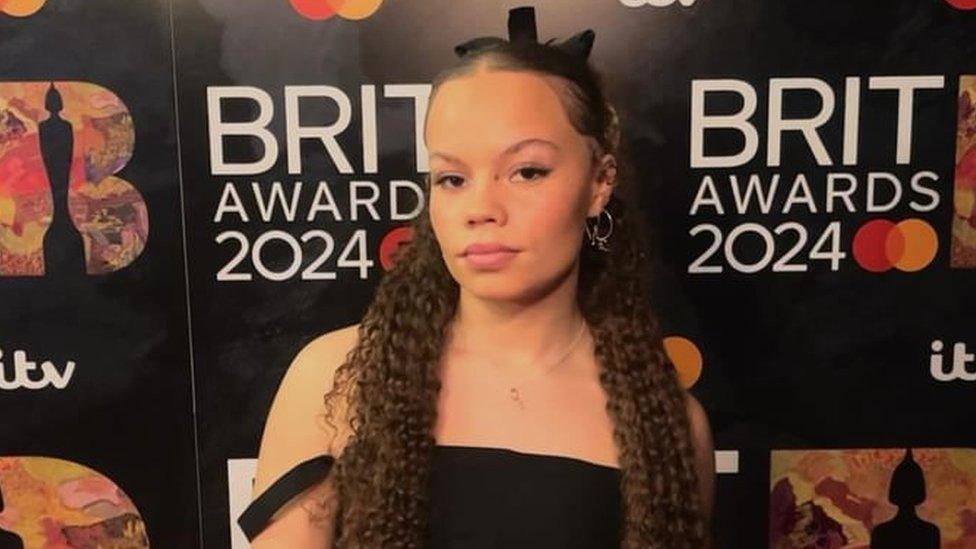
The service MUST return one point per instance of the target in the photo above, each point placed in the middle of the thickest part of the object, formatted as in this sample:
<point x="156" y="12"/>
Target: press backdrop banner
<point x="96" y="438"/>
<point x="808" y="170"/>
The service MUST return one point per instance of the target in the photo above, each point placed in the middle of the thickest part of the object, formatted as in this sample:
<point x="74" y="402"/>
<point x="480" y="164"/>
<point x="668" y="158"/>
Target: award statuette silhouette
<point x="8" y="540"/>
<point x="66" y="208"/>
<point x="906" y="529"/>
<point x="64" y="247"/>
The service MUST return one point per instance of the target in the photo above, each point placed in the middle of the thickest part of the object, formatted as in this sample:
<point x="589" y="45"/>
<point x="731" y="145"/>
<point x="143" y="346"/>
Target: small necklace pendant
<point x="516" y="396"/>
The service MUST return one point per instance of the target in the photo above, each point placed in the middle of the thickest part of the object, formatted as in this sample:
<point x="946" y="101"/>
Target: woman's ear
<point x="604" y="180"/>
<point x="607" y="172"/>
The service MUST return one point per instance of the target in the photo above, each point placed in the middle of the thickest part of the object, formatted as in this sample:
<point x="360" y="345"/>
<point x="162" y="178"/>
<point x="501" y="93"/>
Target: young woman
<point x="507" y="386"/>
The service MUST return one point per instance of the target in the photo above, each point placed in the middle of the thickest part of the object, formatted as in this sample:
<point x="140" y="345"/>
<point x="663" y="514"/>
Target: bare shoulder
<point x="324" y="354"/>
<point x="698" y="418"/>
<point x="701" y="435"/>
<point x="295" y="429"/>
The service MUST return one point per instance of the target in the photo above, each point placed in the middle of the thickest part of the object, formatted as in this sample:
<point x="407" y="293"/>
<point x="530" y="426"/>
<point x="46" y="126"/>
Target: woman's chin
<point x="495" y="287"/>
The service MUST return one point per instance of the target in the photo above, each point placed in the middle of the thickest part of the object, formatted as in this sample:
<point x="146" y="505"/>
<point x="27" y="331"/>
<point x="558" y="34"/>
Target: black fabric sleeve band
<point x="256" y="516"/>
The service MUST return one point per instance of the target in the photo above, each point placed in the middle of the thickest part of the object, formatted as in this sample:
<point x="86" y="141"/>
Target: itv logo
<point x="957" y="364"/>
<point x="23" y="373"/>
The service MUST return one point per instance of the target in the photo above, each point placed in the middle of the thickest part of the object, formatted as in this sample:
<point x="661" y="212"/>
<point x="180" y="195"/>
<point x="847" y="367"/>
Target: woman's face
<point x="508" y="168"/>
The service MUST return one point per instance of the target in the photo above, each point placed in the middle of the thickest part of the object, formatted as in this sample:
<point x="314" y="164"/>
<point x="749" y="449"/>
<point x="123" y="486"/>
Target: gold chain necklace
<point x="513" y="391"/>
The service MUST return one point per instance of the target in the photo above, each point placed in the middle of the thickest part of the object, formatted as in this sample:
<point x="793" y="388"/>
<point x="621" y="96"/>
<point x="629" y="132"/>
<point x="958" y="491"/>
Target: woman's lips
<point x="490" y="260"/>
<point x="487" y="247"/>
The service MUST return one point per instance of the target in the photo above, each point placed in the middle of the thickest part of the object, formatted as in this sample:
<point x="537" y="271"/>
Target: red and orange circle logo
<point x="909" y="245"/>
<point x="686" y="358"/>
<point x="963" y="4"/>
<point x="20" y="8"/>
<point x="324" y="9"/>
<point x="392" y="244"/>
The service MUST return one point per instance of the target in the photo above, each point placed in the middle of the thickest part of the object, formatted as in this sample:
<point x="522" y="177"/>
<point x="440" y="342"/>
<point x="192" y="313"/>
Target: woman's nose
<point x="486" y="201"/>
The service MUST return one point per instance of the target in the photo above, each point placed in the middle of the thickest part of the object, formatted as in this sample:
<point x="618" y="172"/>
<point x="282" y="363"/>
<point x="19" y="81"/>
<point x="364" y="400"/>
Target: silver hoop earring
<point x="597" y="240"/>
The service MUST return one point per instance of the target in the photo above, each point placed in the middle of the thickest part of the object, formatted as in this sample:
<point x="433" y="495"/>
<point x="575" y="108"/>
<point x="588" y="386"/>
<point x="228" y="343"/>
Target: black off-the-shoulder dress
<point x="487" y="497"/>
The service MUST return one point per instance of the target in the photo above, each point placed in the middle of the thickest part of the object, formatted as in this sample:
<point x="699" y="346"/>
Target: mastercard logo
<point x="881" y="245"/>
<point x="963" y="4"/>
<point x="391" y="246"/>
<point x="319" y="10"/>
<point x="20" y="8"/>
<point x="686" y="357"/>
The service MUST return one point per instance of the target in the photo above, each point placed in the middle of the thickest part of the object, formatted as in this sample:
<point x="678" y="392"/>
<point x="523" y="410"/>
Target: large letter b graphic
<point x="62" y="211"/>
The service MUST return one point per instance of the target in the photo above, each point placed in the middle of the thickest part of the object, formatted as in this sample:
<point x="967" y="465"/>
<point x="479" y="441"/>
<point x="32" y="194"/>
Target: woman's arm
<point x="294" y="432"/>
<point x="701" y="435"/>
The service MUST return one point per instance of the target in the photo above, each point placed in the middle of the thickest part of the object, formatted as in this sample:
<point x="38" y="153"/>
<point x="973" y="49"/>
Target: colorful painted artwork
<point x="964" y="219"/>
<point x="885" y="498"/>
<point x="49" y="503"/>
<point x="60" y="144"/>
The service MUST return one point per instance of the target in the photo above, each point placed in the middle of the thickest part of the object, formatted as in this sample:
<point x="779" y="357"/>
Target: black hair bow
<point x="521" y="28"/>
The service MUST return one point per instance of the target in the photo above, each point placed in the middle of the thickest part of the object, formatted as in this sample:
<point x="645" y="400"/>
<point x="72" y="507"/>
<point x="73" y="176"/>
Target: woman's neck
<point x="513" y="335"/>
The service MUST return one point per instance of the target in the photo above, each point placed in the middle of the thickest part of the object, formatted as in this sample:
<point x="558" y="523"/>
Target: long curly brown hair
<point x="390" y="379"/>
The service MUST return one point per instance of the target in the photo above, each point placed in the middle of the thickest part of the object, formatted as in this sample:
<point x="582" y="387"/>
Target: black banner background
<point x="821" y="359"/>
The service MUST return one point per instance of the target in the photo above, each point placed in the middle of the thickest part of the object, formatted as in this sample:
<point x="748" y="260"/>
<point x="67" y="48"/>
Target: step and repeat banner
<point x="193" y="190"/>
<point x="96" y="435"/>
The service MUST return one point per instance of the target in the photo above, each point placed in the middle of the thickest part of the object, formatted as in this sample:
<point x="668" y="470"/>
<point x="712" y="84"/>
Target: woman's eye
<point x="528" y="170"/>
<point x="529" y="173"/>
<point x="440" y="180"/>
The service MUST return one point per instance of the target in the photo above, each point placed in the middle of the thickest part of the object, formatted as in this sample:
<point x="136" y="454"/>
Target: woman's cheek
<point x="558" y="248"/>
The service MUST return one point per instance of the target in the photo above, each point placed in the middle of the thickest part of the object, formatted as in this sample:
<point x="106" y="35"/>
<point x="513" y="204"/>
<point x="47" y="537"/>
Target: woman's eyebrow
<point x="530" y="141"/>
<point x="511" y="149"/>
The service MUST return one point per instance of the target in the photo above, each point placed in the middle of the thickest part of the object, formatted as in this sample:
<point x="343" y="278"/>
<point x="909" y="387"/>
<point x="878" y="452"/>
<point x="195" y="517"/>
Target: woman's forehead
<point x="497" y="104"/>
